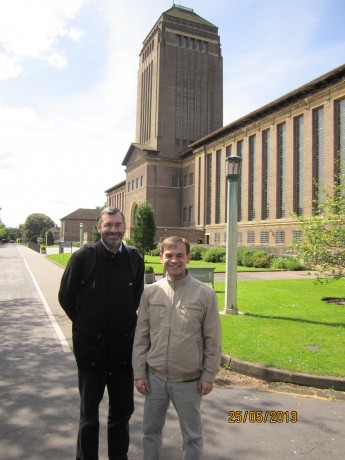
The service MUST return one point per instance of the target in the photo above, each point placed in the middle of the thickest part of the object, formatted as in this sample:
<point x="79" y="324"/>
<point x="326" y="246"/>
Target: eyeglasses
<point x="108" y="226"/>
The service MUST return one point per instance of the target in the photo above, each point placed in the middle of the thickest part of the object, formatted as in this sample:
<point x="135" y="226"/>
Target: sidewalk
<point x="39" y="267"/>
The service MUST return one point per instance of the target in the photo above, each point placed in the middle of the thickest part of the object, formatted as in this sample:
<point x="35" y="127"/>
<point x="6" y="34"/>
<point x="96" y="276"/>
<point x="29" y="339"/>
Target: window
<point x="129" y="186"/>
<point x="218" y="185"/>
<point x="250" y="237"/>
<point x="266" y="139"/>
<point x="209" y="188"/>
<point x="296" y="234"/>
<point x="137" y="182"/>
<point x="264" y="236"/>
<point x="190" y="214"/>
<point x="299" y="161"/>
<point x="239" y="238"/>
<point x="318" y="153"/>
<point x="281" y="169"/>
<point x="217" y="238"/>
<point x="185" y="179"/>
<point x="251" y="190"/>
<point x="340" y="136"/>
<point x="176" y="181"/>
<point x="191" y="179"/>
<point x="141" y="181"/>
<point x="280" y="237"/>
<point x="240" y="154"/>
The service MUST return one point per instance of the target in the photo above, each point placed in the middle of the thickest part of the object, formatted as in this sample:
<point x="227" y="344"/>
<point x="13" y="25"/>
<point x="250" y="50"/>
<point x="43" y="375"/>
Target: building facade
<point x="289" y="147"/>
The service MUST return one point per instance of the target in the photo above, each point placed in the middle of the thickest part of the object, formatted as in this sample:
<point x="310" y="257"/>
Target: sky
<point x="68" y="84"/>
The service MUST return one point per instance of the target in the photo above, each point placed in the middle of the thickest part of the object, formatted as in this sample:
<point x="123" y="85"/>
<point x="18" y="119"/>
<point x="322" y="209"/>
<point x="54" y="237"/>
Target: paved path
<point x="39" y="400"/>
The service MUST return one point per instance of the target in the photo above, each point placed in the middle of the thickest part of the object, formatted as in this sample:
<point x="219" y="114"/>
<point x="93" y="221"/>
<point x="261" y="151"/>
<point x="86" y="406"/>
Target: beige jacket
<point x="178" y="335"/>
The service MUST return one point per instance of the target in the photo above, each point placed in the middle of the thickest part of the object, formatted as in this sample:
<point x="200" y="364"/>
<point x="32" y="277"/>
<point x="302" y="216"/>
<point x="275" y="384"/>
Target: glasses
<point x="117" y="226"/>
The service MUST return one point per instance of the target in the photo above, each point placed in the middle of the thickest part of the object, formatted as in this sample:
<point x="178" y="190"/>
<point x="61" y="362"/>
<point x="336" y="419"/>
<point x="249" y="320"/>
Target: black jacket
<point x="103" y="309"/>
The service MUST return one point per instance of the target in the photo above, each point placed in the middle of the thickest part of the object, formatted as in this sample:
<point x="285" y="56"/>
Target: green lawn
<point x="286" y="324"/>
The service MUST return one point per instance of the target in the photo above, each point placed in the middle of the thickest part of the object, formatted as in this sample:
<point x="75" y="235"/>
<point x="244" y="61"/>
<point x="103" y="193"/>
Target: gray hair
<point x="111" y="211"/>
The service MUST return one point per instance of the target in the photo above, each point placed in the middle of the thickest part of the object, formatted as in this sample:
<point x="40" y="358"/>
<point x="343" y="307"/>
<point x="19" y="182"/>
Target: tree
<point x="36" y="223"/>
<point x="3" y="231"/>
<point x="322" y="243"/>
<point x="144" y="230"/>
<point x="95" y="236"/>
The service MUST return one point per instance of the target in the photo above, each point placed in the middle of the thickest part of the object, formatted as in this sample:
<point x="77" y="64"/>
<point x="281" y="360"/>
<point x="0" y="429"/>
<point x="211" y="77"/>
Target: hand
<point x="142" y="385"/>
<point x="205" y="387"/>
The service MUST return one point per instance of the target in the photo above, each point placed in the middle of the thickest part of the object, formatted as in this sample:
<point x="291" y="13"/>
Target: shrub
<point x="215" y="255"/>
<point x="253" y="258"/>
<point x="287" y="263"/>
<point x="246" y="257"/>
<point x="261" y="259"/>
<point x="149" y="269"/>
<point x="155" y="252"/>
<point x="197" y="252"/>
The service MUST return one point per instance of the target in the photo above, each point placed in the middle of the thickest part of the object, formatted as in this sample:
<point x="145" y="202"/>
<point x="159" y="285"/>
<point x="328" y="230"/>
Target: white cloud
<point x="30" y="29"/>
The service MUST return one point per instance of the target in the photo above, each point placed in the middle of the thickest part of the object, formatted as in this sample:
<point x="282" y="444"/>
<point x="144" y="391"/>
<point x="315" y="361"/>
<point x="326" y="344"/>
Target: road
<point x="39" y="399"/>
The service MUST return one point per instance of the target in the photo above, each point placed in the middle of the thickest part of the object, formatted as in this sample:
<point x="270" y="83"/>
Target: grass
<point x="285" y="324"/>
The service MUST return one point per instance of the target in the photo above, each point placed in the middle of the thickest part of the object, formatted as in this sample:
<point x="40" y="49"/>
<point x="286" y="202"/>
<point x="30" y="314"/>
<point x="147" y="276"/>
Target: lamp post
<point x="81" y="233"/>
<point x="233" y="170"/>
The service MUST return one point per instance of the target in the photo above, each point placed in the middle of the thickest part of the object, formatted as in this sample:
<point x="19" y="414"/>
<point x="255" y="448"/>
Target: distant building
<point x="70" y="224"/>
<point x="289" y="147"/>
<point x="55" y="231"/>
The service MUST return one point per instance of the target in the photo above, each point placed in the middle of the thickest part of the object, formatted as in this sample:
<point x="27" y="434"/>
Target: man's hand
<point x="205" y="387"/>
<point x="142" y="385"/>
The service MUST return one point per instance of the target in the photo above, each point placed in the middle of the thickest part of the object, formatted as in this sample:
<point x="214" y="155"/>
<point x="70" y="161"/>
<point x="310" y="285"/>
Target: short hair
<point x="111" y="211"/>
<point x="173" y="241"/>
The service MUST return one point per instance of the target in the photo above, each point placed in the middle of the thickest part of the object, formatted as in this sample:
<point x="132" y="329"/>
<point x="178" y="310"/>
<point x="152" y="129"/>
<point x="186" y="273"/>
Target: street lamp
<point x="233" y="171"/>
<point x="81" y="233"/>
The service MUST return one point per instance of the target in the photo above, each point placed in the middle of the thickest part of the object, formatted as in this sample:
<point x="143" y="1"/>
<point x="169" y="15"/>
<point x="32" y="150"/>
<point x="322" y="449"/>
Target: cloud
<point x="31" y="29"/>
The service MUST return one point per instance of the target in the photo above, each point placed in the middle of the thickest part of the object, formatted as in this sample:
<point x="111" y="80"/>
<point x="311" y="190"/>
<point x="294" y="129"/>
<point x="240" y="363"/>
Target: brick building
<point x="70" y="225"/>
<point x="178" y="160"/>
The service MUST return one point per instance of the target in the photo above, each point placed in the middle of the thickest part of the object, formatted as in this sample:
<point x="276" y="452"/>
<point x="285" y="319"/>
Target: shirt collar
<point x="109" y="250"/>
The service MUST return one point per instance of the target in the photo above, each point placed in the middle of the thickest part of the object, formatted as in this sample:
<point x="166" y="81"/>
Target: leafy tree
<point x="322" y="243"/>
<point x="48" y="237"/>
<point x="36" y="223"/>
<point x="95" y="236"/>
<point x="3" y="231"/>
<point x="144" y="230"/>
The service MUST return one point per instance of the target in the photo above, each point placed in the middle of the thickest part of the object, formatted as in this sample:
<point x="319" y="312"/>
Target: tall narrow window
<point x="318" y="153"/>
<point x="209" y="188"/>
<point x="251" y="181"/>
<point x="228" y="150"/>
<point x="240" y="188"/>
<point x="218" y="184"/>
<point x="340" y="137"/>
<point x="281" y="169"/>
<point x="299" y="162"/>
<point x="266" y="147"/>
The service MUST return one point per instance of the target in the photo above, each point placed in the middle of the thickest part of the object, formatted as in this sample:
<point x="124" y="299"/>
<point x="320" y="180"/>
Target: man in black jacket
<point x="102" y="306"/>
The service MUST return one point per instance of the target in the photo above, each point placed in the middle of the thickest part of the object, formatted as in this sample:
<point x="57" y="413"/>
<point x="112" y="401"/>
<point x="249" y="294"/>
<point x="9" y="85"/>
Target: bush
<point x="149" y="269"/>
<point x="215" y="255"/>
<point x="197" y="252"/>
<point x="287" y="263"/>
<point x="261" y="259"/>
<point x="253" y="258"/>
<point x="155" y="252"/>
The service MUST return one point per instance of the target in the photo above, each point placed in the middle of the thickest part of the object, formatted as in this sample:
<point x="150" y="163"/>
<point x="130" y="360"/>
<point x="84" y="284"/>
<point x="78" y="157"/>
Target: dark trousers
<point x="91" y="389"/>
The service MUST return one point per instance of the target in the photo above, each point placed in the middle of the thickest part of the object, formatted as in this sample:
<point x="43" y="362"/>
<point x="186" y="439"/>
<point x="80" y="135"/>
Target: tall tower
<point x="180" y="83"/>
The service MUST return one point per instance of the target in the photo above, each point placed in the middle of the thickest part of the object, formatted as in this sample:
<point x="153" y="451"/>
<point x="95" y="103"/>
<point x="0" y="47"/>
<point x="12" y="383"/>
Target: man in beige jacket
<point x="177" y="350"/>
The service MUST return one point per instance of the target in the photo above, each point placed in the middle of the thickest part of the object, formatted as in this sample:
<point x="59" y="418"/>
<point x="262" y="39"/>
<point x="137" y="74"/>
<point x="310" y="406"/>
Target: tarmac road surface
<point x="39" y="398"/>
